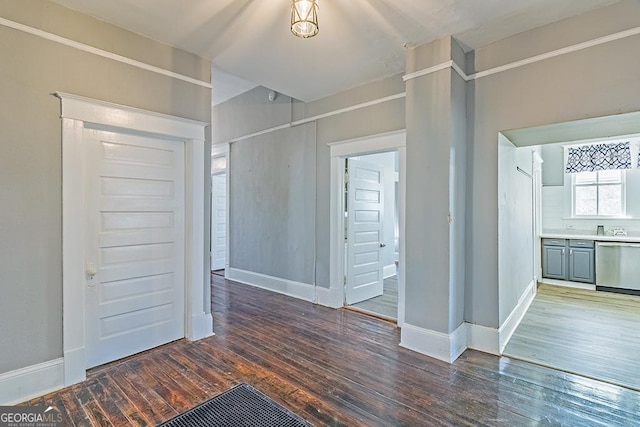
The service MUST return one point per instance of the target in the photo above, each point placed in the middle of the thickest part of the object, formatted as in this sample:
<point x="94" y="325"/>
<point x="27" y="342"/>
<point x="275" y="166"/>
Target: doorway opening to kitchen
<point x="585" y="246"/>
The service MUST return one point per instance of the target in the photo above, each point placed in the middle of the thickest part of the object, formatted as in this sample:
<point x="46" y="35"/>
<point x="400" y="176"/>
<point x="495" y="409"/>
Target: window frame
<point x="597" y="184"/>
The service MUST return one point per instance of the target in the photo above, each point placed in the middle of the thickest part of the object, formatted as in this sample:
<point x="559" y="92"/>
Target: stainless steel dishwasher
<point x="618" y="265"/>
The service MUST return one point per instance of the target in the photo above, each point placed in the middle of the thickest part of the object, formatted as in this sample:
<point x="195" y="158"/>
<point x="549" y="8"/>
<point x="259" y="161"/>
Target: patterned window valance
<point x="598" y="157"/>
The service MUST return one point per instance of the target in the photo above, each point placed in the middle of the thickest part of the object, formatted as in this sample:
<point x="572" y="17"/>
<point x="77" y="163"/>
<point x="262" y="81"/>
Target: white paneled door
<point x="218" y="221"/>
<point x="365" y="210"/>
<point x="134" y="244"/>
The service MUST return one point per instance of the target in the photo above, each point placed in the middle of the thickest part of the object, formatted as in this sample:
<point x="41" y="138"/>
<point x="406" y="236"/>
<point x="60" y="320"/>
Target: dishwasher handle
<point x="626" y="245"/>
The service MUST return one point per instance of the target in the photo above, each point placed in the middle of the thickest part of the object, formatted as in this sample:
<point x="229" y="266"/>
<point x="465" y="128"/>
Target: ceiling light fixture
<point x="304" y="18"/>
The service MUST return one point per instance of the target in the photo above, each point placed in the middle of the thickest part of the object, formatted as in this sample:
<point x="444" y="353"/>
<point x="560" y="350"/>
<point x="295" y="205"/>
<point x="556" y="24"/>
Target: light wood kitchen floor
<point x="590" y="333"/>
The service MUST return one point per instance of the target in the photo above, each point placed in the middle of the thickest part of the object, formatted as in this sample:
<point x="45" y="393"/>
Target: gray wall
<point x="272" y="204"/>
<point x="458" y="201"/>
<point x="229" y="122"/>
<point x="249" y="113"/>
<point x="30" y="152"/>
<point x="515" y="219"/>
<point x="436" y="159"/>
<point x="427" y="242"/>
<point x="592" y="82"/>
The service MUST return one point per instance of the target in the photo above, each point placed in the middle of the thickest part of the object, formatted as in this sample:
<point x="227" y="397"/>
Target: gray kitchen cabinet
<point x="554" y="259"/>
<point x="581" y="261"/>
<point x="568" y="260"/>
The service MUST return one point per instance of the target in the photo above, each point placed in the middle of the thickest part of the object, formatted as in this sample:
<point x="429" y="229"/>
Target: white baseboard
<point x="333" y="298"/>
<point x="484" y="339"/>
<point x="33" y="381"/>
<point x="304" y="291"/>
<point x="201" y="326"/>
<point x="492" y="340"/>
<point x="445" y="347"/>
<point x="488" y="340"/>
<point x="509" y="326"/>
<point x="389" y="270"/>
<point x="74" y="366"/>
<point x="458" y="341"/>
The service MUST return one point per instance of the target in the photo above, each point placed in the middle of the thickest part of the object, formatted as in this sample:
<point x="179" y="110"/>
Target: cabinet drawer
<point x="581" y="244"/>
<point x="554" y="242"/>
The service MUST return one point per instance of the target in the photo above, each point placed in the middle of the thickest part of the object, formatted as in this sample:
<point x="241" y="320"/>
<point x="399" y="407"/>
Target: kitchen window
<point x="599" y="193"/>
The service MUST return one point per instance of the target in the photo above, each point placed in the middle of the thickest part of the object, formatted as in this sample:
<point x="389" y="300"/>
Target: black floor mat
<point x="239" y="406"/>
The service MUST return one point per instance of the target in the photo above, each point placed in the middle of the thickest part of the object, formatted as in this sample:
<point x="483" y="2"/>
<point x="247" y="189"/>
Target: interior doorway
<point x="575" y="323"/>
<point x="343" y="271"/>
<point x="218" y="221"/>
<point x="219" y="209"/>
<point x="78" y="115"/>
<point x="372" y="233"/>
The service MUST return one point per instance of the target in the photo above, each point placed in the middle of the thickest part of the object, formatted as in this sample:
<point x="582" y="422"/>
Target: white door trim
<point x="224" y="150"/>
<point x="339" y="151"/>
<point x="78" y="112"/>
<point x="214" y="233"/>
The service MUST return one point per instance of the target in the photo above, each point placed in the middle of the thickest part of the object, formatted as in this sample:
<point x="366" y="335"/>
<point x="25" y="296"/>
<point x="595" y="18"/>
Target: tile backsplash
<point x="556" y="216"/>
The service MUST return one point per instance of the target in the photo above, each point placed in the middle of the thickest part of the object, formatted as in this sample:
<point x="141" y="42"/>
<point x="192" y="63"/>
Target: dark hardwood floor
<point x="334" y="367"/>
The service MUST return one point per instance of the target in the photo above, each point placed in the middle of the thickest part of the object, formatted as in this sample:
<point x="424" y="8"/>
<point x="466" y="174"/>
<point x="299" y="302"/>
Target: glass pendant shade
<point x="304" y="18"/>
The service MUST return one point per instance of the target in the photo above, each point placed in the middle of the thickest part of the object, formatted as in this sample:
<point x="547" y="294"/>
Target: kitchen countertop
<point x="585" y="235"/>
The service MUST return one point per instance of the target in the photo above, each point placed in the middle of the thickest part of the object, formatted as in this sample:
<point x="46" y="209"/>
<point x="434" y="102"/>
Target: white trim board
<point x="304" y="291"/>
<point x="484" y="339"/>
<point x="515" y="317"/>
<point x="78" y="113"/>
<point x="369" y="144"/>
<point x="430" y="70"/>
<point x="492" y="340"/>
<point x="350" y="108"/>
<point x="448" y="347"/>
<point x="33" y="381"/>
<point x="124" y="117"/>
<point x="100" y="52"/>
<point x="557" y="52"/>
<point x="318" y="117"/>
<point x="445" y="347"/>
<point x="526" y="61"/>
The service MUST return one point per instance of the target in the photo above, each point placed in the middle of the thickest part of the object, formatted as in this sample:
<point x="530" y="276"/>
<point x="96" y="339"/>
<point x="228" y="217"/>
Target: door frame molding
<point x="77" y="113"/>
<point x="339" y="151"/>
<point x="220" y="151"/>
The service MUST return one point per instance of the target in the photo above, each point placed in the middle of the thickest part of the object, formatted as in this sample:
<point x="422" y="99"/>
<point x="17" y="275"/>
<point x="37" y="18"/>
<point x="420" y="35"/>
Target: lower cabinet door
<point x="554" y="264"/>
<point x="581" y="265"/>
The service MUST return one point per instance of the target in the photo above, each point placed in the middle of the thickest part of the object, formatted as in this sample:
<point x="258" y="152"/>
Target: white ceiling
<point x="227" y="86"/>
<point x="359" y="40"/>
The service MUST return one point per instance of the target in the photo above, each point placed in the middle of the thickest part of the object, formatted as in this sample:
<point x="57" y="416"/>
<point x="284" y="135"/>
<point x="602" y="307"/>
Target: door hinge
<point x="345" y="280"/>
<point x="346" y="178"/>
